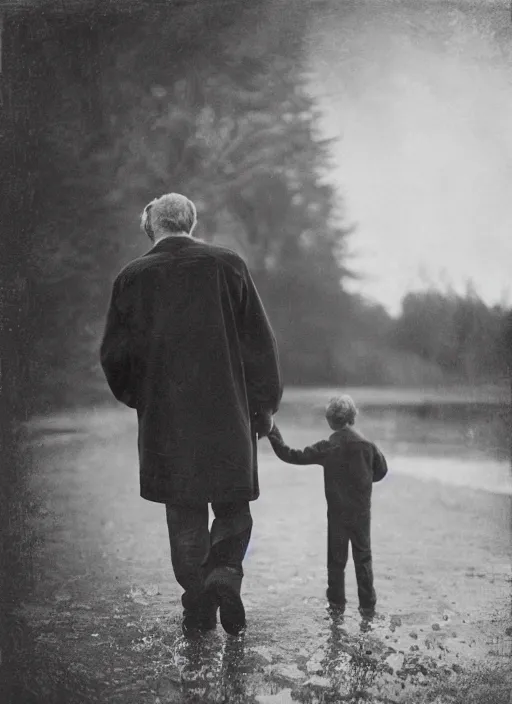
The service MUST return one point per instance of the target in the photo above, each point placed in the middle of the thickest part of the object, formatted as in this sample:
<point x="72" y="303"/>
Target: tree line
<point x="225" y="117"/>
<point x="440" y="337"/>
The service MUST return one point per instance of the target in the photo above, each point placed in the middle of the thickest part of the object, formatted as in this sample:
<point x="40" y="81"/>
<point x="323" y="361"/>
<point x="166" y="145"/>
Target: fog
<point x="421" y="99"/>
<point x="106" y="109"/>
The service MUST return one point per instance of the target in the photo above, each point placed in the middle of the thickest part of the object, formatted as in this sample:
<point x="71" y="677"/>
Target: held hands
<point x="263" y="424"/>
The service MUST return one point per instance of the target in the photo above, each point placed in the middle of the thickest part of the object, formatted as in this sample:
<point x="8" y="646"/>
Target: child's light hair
<point x="341" y="411"/>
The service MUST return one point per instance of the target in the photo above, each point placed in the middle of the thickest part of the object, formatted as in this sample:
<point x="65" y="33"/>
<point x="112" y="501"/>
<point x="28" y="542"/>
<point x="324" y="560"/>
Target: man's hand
<point x="263" y="424"/>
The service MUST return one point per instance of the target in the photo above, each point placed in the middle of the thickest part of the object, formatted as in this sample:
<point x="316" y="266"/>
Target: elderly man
<point x="188" y="345"/>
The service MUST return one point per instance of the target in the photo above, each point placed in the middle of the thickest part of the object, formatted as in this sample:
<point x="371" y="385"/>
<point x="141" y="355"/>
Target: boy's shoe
<point x="367" y="612"/>
<point x="336" y="601"/>
<point x="223" y="588"/>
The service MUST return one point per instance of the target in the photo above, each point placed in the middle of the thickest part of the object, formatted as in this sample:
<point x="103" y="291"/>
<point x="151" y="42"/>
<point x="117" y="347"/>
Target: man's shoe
<point x="190" y="624"/>
<point x="208" y="617"/>
<point x="232" y="611"/>
<point x="223" y="586"/>
<point x="197" y="621"/>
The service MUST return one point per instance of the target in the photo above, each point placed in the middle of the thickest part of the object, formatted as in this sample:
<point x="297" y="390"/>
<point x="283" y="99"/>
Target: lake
<point x="461" y="437"/>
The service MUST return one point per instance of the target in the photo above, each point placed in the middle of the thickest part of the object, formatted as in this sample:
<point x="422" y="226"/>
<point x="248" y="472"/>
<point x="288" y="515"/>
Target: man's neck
<point x="159" y="236"/>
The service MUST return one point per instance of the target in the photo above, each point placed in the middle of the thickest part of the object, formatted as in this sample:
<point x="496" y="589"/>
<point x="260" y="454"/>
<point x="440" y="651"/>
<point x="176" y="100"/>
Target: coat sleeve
<point x="380" y="467"/>
<point x="259" y="351"/>
<point x="314" y="454"/>
<point x="115" y="355"/>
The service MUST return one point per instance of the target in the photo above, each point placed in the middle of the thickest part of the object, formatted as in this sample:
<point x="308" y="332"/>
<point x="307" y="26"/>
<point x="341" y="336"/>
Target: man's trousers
<point x="196" y="552"/>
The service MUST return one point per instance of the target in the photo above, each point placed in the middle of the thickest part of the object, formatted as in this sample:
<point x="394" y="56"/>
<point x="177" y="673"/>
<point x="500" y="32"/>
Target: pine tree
<point x="226" y="119"/>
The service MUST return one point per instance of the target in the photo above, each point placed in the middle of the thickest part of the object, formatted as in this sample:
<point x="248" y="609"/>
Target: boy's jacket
<point x="351" y="465"/>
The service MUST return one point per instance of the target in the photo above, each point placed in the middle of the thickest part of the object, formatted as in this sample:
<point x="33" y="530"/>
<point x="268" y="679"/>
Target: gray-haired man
<point x="188" y="345"/>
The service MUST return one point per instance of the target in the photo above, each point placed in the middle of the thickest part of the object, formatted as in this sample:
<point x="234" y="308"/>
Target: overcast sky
<point x="425" y="157"/>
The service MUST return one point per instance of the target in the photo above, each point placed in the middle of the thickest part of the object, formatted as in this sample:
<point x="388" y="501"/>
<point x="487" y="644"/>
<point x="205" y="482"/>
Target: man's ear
<point x="145" y="221"/>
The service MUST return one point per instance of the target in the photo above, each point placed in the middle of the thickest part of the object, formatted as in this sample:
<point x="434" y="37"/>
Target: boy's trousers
<point x="196" y="551"/>
<point x="341" y="532"/>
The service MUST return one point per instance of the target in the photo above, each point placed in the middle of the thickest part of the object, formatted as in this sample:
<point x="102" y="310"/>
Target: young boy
<point x="351" y="465"/>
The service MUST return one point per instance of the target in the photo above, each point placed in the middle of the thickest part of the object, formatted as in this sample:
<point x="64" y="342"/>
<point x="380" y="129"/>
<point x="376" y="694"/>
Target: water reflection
<point x="220" y="670"/>
<point x="232" y="682"/>
<point x="349" y="667"/>
<point x="212" y="670"/>
<point x="346" y="671"/>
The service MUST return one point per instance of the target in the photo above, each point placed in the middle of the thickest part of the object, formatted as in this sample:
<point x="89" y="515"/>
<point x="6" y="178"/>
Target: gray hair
<point x="171" y="213"/>
<point x="341" y="411"/>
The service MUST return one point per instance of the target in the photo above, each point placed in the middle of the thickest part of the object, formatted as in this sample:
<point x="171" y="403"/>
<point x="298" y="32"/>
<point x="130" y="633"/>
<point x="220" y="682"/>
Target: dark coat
<point x="351" y="465"/>
<point x="188" y="345"/>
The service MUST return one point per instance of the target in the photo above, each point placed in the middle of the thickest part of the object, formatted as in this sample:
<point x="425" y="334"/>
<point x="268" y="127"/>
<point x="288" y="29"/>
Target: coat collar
<point x="347" y="433"/>
<point x="170" y="243"/>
